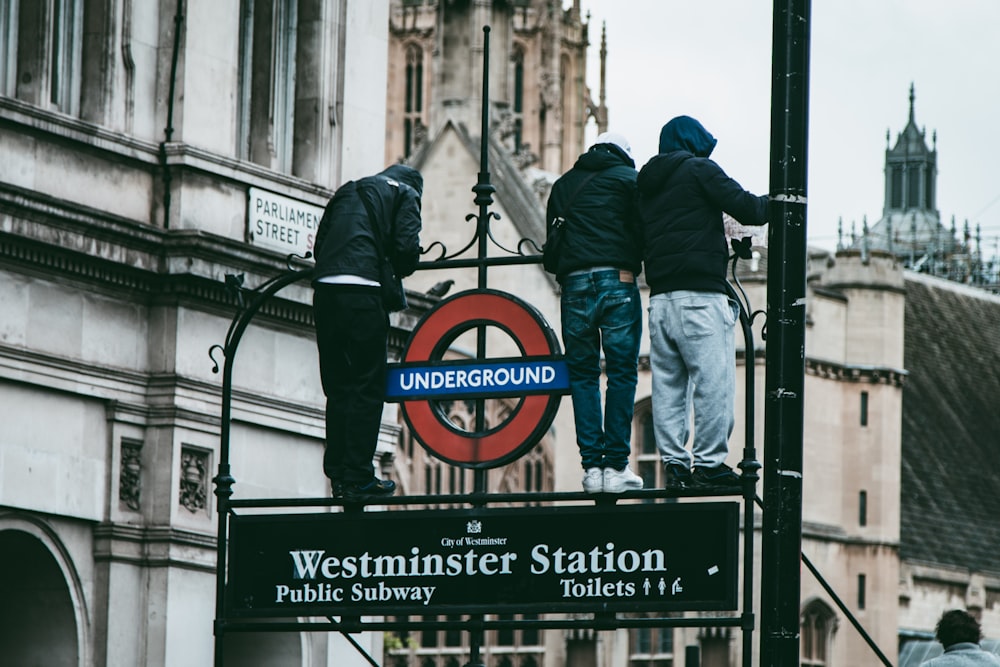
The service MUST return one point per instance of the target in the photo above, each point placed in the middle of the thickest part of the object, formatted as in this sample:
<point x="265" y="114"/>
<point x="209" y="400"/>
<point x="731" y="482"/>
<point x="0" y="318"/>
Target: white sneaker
<point x="620" y="481"/>
<point x="593" y="480"/>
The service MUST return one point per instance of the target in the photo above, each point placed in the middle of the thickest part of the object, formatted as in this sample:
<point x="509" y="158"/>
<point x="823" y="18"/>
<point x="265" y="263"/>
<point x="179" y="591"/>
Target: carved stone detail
<point x="130" y="474"/>
<point x="193" y="479"/>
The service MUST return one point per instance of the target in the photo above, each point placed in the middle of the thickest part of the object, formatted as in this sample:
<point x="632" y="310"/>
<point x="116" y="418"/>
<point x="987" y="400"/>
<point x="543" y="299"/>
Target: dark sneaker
<point x="377" y="488"/>
<point x="720" y="478"/>
<point x="676" y="477"/>
<point x="336" y="488"/>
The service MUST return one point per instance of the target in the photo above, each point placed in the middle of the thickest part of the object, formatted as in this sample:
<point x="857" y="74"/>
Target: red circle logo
<point x="538" y="378"/>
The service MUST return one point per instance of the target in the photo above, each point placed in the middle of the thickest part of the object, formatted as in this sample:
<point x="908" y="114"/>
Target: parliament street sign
<point x="627" y="558"/>
<point x="281" y="223"/>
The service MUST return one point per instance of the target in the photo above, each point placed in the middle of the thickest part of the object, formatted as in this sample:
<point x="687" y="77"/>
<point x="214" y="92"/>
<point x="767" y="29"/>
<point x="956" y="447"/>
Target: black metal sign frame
<point x="605" y="612"/>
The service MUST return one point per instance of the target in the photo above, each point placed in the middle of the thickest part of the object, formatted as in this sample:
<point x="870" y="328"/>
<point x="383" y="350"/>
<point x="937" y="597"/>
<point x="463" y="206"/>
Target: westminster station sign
<point x="565" y="559"/>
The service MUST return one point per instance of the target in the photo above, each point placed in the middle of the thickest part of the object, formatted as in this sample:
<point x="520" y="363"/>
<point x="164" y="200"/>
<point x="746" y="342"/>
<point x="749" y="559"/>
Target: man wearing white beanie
<point x="600" y="258"/>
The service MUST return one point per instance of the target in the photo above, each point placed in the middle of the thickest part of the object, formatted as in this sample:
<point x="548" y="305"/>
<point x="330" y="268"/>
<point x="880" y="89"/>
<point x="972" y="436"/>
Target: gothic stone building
<point x="152" y="149"/>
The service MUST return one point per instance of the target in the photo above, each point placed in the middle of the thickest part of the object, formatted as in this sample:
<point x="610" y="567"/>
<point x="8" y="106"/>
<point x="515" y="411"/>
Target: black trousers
<point x="352" y="330"/>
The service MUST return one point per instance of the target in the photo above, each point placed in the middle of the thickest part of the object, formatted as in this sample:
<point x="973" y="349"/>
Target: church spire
<point x="912" y="98"/>
<point x="602" y="107"/>
<point x="910" y="226"/>
<point x="911" y="170"/>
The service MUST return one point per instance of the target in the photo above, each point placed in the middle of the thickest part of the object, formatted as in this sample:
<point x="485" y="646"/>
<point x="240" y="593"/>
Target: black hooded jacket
<point x="345" y="241"/>
<point x="602" y="224"/>
<point x="682" y="196"/>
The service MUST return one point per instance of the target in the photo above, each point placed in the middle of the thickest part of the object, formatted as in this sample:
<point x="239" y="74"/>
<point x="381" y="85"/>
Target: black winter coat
<point x="602" y="222"/>
<point x="345" y="241"/>
<point x="681" y="202"/>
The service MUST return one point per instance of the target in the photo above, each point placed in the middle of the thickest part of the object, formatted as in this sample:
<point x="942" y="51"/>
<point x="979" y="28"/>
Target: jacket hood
<point x="615" y="141"/>
<point x="405" y="174"/>
<point x="660" y="168"/>
<point x="603" y="156"/>
<point x="684" y="133"/>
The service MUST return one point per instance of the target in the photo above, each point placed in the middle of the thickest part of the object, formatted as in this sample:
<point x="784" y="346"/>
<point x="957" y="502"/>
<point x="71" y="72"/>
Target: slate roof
<point x="950" y="504"/>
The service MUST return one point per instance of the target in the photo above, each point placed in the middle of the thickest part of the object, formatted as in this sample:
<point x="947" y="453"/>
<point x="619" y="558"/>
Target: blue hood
<point x="684" y="133"/>
<point x="404" y="174"/>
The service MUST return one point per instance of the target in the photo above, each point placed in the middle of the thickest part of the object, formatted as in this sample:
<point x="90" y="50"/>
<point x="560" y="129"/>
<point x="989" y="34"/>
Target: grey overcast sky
<point x="711" y="59"/>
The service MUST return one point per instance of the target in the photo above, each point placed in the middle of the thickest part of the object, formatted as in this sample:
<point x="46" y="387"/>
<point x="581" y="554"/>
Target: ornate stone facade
<point x="539" y="100"/>
<point x="125" y="187"/>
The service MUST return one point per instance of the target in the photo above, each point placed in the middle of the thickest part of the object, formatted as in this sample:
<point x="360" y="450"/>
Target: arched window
<point x="40" y="51"/>
<point x="536" y="472"/>
<point x="267" y="95"/>
<point x="896" y="189"/>
<point x="517" y="58"/>
<point x="816" y="633"/>
<point x="278" y="116"/>
<point x="413" y="102"/>
<point x="568" y="88"/>
<point x="913" y="187"/>
<point x="34" y="588"/>
<point x="645" y="446"/>
<point x="651" y="647"/>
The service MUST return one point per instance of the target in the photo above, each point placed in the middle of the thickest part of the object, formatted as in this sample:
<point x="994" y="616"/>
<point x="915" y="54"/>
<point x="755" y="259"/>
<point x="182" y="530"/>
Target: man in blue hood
<point x="368" y="239"/>
<point x="682" y="197"/>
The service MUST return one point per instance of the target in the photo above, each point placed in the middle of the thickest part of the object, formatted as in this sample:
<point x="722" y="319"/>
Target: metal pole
<point x="484" y="197"/>
<point x="783" y="413"/>
<point x="749" y="465"/>
<point x="224" y="480"/>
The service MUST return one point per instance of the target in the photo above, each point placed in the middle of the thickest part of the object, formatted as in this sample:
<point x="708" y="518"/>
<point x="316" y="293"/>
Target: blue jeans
<point x="693" y="359"/>
<point x="600" y="311"/>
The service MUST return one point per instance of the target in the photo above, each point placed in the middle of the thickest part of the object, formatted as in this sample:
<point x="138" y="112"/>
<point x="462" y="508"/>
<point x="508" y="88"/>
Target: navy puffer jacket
<point x="602" y="224"/>
<point x="682" y="196"/>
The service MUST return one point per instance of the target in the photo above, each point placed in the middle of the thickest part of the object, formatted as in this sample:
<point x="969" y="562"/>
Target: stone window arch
<point x="817" y="625"/>
<point x="41" y="46"/>
<point x="414" y="130"/>
<point x="43" y="618"/>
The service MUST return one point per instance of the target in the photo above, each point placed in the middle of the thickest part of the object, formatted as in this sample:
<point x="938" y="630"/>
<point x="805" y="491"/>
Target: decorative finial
<point x="912" y="98"/>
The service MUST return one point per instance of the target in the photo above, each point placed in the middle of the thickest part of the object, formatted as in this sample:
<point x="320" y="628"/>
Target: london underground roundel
<point x="424" y="380"/>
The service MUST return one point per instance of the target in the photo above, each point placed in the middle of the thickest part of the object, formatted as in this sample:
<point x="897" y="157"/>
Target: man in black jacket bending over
<point x="682" y="196"/>
<point x="352" y="324"/>
<point x="600" y="305"/>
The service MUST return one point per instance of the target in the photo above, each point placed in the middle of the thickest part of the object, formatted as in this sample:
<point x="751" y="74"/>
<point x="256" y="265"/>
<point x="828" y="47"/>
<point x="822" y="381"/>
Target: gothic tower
<point x="539" y="100"/>
<point x="911" y="172"/>
<point x="910" y="227"/>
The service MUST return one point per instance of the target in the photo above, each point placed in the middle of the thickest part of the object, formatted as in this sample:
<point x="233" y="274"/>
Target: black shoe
<point x="720" y="478"/>
<point x="377" y="488"/>
<point x="676" y="477"/>
<point x="336" y="488"/>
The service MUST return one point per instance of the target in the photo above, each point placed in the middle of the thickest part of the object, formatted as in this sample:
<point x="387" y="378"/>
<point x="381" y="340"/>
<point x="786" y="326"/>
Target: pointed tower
<point x="540" y="103"/>
<point x="910" y="227"/>
<point x="911" y="171"/>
